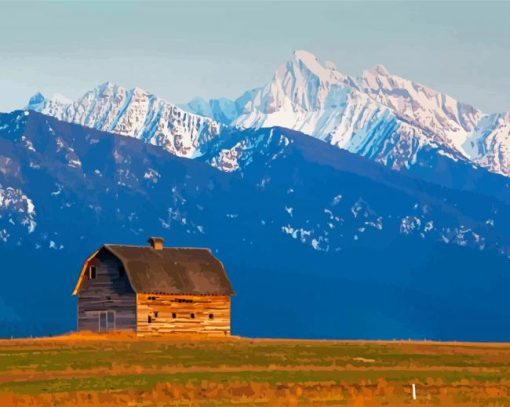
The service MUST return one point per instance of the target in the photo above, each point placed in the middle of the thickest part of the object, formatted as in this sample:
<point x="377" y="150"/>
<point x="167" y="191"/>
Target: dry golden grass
<point x="124" y="370"/>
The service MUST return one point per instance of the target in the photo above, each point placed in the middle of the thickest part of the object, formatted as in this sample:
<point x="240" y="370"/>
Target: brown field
<point x="123" y="370"/>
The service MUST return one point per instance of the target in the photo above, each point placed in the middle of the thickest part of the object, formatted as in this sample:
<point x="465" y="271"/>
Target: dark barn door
<point x="106" y="321"/>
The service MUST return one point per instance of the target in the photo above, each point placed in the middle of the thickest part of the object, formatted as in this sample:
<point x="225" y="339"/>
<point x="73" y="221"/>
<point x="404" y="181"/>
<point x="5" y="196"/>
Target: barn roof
<point x="172" y="270"/>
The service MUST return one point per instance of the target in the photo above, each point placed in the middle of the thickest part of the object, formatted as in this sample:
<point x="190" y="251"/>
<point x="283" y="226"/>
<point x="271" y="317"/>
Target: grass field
<point x="92" y="370"/>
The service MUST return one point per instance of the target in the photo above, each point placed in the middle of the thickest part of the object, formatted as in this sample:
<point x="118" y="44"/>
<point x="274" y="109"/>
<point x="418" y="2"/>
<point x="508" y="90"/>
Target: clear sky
<point x="181" y="50"/>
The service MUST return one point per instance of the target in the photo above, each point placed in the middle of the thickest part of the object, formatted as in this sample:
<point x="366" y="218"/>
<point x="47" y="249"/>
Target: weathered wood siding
<point x="211" y="314"/>
<point x="109" y="291"/>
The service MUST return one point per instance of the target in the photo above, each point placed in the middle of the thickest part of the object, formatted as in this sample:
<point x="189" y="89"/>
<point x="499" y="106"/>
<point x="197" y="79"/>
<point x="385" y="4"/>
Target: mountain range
<point x="380" y="116"/>
<point x="343" y="207"/>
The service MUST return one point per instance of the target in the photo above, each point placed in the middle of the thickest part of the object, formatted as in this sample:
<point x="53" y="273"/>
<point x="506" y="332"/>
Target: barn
<point x="153" y="290"/>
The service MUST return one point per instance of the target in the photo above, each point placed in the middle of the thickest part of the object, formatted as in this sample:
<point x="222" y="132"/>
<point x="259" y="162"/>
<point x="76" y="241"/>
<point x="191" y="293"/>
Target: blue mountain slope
<point x="318" y="242"/>
<point x="461" y="175"/>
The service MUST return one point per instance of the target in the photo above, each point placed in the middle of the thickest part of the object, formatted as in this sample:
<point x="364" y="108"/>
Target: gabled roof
<point x="170" y="270"/>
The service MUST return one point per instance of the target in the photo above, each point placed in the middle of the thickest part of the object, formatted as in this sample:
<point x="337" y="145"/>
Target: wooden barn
<point x="153" y="290"/>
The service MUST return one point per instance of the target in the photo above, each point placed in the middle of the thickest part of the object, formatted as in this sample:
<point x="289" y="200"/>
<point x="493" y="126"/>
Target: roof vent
<point x="156" y="242"/>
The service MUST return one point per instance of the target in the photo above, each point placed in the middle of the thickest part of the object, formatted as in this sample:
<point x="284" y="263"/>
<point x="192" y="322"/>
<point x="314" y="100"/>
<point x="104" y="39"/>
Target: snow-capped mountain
<point x="478" y="137"/>
<point x="298" y="219"/>
<point x="222" y="110"/>
<point x="318" y="100"/>
<point x="134" y="113"/>
<point x="394" y="255"/>
<point x="380" y="116"/>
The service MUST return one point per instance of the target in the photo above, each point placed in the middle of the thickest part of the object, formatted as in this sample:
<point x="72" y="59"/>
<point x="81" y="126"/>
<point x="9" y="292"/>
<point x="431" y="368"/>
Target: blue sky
<point x="181" y="50"/>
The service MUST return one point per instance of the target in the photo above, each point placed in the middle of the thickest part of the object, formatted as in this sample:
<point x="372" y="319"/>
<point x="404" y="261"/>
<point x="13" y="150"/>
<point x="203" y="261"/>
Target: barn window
<point x="92" y="272"/>
<point x="149" y="319"/>
<point x="156" y="313"/>
<point x="174" y="315"/>
<point x="192" y="315"/>
<point x="211" y="316"/>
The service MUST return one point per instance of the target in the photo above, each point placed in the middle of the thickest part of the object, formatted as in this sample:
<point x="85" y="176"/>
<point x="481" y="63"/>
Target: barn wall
<point x="161" y="307"/>
<point x="110" y="290"/>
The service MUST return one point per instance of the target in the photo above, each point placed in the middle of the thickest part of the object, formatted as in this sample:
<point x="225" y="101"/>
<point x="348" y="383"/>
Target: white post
<point x="414" y="391"/>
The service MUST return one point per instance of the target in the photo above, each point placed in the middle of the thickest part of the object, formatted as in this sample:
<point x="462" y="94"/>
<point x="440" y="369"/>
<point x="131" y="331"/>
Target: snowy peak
<point x="446" y="121"/>
<point x="305" y="66"/>
<point x="39" y="99"/>
<point x="302" y="84"/>
<point x="312" y="63"/>
<point x="408" y="98"/>
<point x="107" y="85"/>
<point x="199" y="106"/>
<point x="36" y="101"/>
<point x="379" y="70"/>
<point x="221" y="110"/>
<point x="54" y="106"/>
<point x="379" y="115"/>
<point x="305" y="56"/>
<point x="325" y="72"/>
<point x="135" y="113"/>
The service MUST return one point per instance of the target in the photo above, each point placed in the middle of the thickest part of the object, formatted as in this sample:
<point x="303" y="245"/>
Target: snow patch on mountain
<point x="16" y="209"/>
